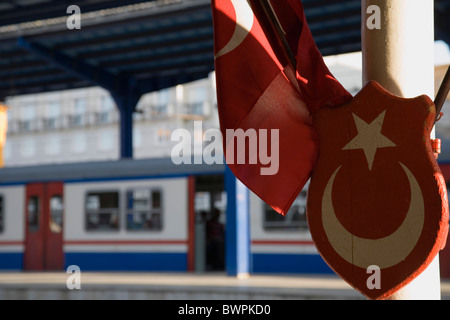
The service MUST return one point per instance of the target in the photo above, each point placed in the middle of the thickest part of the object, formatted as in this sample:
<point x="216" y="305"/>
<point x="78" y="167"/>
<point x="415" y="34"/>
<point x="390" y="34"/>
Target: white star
<point x="369" y="138"/>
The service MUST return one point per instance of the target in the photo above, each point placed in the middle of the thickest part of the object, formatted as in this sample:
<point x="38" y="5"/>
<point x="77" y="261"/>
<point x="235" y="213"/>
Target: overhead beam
<point x="44" y="87"/>
<point x="162" y="56"/>
<point x="38" y="82"/>
<point x="72" y="66"/>
<point x="170" y="12"/>
<point x="159" y="69"/>
<point x="52" y="9"/>
<point x="197" y="37"/>
<point x="149" y="84"/>
<point x="170" y="32"/>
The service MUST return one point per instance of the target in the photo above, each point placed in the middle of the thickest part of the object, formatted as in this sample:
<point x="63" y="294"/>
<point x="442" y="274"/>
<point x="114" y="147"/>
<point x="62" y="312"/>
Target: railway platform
<point x="176" y="286"/>
<point x="170" y="286"/>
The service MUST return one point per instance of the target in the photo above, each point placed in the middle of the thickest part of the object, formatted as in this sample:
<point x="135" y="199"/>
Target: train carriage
<point x="141" y="215"/>
<point x="124" y="215"/>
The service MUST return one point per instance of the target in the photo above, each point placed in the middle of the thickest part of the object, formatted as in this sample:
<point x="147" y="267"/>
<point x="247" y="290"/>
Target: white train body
<point x="134" y="215"/>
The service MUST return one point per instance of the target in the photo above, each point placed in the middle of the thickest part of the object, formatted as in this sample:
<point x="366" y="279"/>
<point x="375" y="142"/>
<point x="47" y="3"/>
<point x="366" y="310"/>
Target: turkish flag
<point x="266" y="100"/>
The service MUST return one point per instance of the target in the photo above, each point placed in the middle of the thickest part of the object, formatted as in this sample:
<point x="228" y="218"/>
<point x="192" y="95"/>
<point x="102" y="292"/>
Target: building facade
<point x="83" y="124"/>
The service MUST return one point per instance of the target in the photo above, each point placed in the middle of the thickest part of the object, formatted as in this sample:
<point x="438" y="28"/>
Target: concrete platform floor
<point x="176" y="286"/>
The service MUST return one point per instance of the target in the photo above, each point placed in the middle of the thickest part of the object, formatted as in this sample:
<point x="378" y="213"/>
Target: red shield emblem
<point x="377" y="196"/>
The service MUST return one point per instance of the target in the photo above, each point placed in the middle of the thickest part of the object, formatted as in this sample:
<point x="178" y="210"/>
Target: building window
<point x="195" y="108"/>
<point x="53" y="145"/>
<point x="158" y="110"/>
<point x="144" y="210"/>
<point x="79" y="144"/>
<point x="294" y="219"/>
<point x="161" y="105"/>
<point x="102" y="211"/>
<point x="163" y="136"/>
<point x="164" y="96"/>
<point x="2" y="214"/>
<point x="28" y="147"/>
<point x="7" y="151"/>
<point x="106" y="110"/>
<point x="106" y="140"/>
<point x="28" y="116"/>
<point x="53" y="113"/>
<point x="195" y="101"/>
<point x="77" y="119"/>
<point x="137" y="138"/>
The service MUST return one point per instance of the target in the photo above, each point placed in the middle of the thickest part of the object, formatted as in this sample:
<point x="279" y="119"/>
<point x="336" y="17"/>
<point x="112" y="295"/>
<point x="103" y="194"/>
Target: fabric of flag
<point x="260" y="91"/>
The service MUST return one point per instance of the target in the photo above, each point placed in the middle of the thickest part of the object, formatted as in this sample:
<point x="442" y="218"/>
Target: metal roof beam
<point x="44" y="86"/>
<point x="73" y="66"/>
<point x="14" y="87"/>
<point x="169" y="32"/>
<point x="148" y="46"/>
<point x="160" y="58"/>
<point x="21" y="13"/>
<point x="199" y="9"/>
<point x="149" y="83"/>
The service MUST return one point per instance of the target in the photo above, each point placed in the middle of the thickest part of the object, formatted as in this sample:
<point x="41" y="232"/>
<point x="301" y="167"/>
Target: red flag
<point x="265" y="104"/>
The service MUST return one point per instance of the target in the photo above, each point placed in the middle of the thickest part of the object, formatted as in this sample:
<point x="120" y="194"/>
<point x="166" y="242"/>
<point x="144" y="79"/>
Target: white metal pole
<point x="398" y="53"/>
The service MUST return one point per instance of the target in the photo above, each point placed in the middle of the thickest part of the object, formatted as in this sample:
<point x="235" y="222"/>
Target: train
<point x="143" y="215"/>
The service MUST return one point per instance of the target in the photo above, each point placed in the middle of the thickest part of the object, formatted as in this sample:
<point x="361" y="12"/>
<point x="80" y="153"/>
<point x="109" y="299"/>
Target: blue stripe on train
<point x="138" y="261"/>
<point x="290" y="263"/>
<point x="11" y="261"/>
<point x="262" y="263"/>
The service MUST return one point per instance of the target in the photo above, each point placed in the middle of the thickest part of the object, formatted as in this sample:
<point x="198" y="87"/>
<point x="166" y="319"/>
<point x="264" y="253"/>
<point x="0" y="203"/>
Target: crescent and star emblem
<point x="384" y="252"/>
<point x="244" y="24"/>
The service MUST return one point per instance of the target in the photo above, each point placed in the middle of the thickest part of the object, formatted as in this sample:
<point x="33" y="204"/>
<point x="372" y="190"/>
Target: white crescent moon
<point x="385" y="252"/>
<point x="244" y="23"/>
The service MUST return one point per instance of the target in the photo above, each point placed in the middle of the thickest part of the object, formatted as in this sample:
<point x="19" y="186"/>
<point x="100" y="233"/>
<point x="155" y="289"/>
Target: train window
<point x="33" y="211"/>
<point x="144" y="210"/>
<point x="294" y="219"/>
<point x="56" y="214"/>
<point x="2" y="214"/>
<point x="102" y="211"/>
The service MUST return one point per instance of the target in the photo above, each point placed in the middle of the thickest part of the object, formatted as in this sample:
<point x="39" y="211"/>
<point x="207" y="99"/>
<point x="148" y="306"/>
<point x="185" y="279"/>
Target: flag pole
<point x="442" y="94"/>
<point x="271" y="21"/>
<point x="398" y="53"/>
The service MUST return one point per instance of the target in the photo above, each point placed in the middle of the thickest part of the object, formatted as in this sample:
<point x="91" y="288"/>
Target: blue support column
<point x="237" y="238"/>
<point x="126" y="133"/>
<point x="126" y="103"/>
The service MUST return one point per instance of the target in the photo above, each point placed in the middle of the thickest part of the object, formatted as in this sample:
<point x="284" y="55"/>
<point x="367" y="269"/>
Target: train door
<point x="43" y="226"/>
<point x="210" y="210"/>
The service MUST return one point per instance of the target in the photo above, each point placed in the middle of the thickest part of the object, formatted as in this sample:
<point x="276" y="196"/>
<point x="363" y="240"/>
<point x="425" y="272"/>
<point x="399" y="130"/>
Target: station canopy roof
<point x="154" y="44"/>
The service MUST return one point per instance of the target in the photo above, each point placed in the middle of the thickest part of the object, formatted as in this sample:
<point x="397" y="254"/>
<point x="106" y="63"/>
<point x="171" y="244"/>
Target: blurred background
<point x="87" y="177"/>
